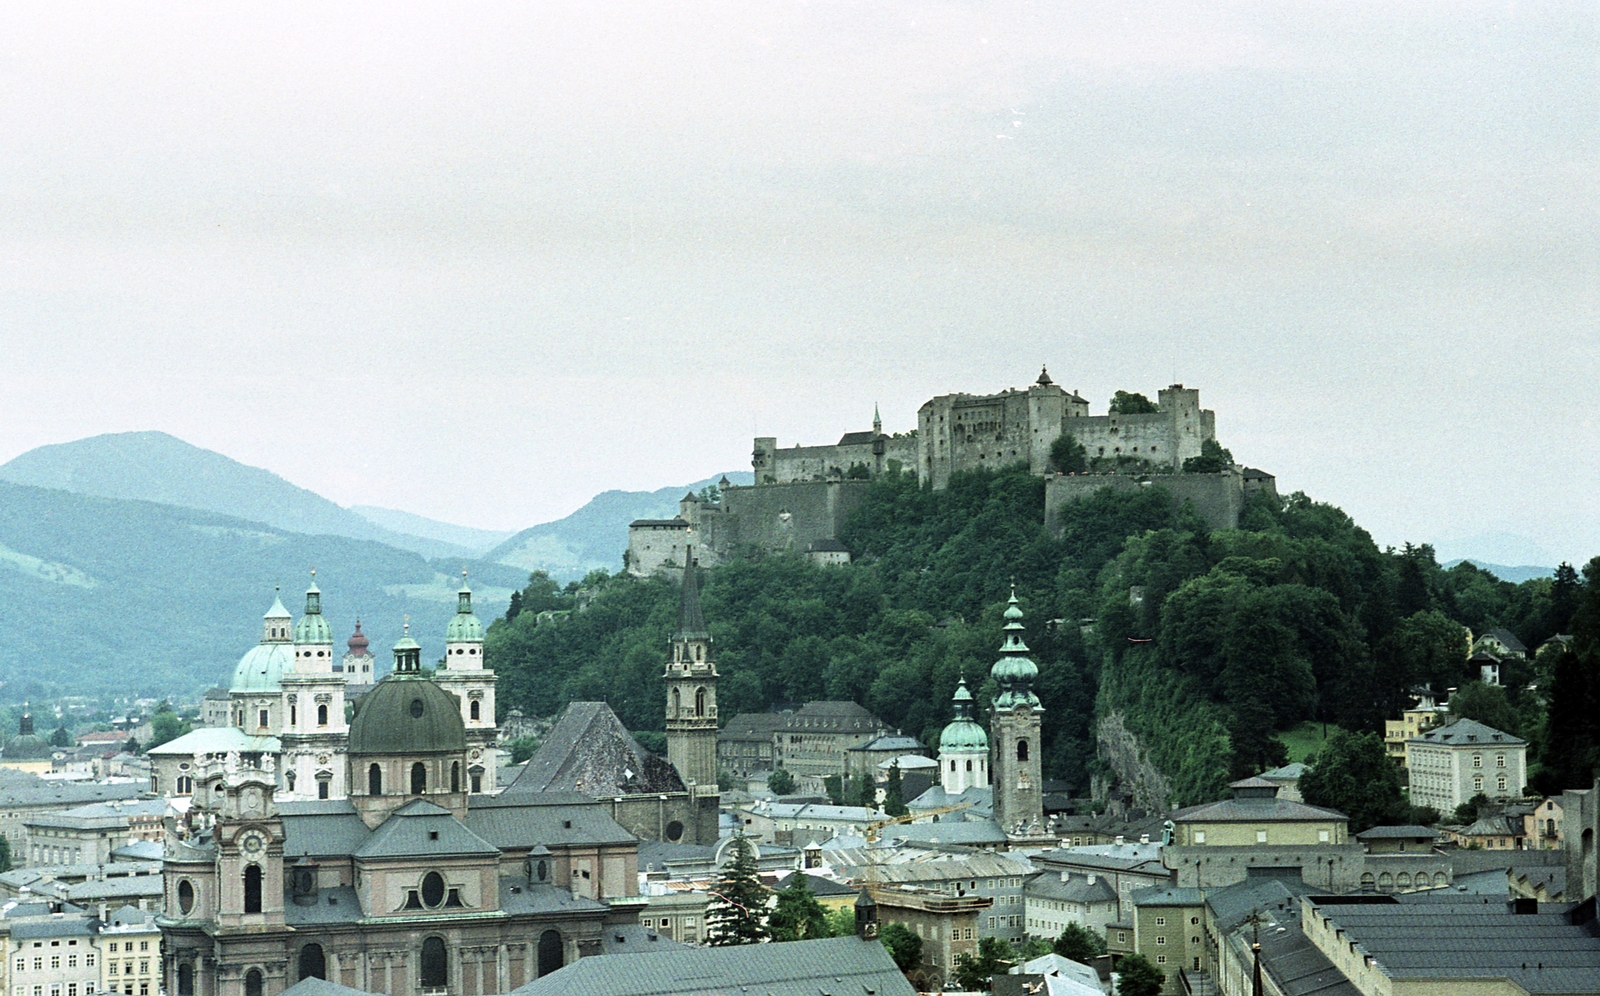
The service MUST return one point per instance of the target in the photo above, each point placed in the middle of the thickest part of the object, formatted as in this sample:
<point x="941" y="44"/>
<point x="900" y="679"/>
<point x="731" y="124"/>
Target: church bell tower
<point x="1014" y="734"/>
<point x="691" y="679"/>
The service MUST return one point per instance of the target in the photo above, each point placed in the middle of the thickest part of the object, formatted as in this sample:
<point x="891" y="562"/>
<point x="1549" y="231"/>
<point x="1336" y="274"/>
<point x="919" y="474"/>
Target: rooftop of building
<point x="216" y="740"/>
<point x="1467" y="733"/>
<point x="588" y="750"/>
<point x="1111" y="857"/>
<point x="1077" y="889"/>
<point x="1167" y="895"/>
<point x="1398" y="833"/>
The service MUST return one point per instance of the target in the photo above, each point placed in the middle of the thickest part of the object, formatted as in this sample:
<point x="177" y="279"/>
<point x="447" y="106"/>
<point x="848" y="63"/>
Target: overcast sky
<point x="481" y="261"/>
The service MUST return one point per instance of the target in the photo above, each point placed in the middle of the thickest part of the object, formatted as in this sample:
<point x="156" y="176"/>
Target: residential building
<point x="1453" y="763"/>
<point x="948" y="924"/>
<point x="52" y="954"/>
<point x="677" y="914"/>
<point x="1000" y="878"/>
<point x="777" y="822"/>
<point x="1492" y="833"/>
<point x="1126" y="868"/>
<point x="1542" y="827"/>
<point x="88" y="834"/>
<point x="130" y="953"/>
<point x="1167" y="930"/>
<point x="1403" y="858"/>
<point x="745" y="745"/>
<point x="20" y="802"/>
<point x="1054" y="900"/>
<point x="1222" y="843"/>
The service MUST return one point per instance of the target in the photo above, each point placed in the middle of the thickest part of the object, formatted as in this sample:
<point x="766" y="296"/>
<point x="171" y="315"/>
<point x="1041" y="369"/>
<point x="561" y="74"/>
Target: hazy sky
<point x="480" y="261"/>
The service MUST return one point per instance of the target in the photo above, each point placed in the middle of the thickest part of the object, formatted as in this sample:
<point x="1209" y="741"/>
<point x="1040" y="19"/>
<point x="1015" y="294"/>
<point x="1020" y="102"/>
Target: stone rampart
<point x="1218" y="498"/>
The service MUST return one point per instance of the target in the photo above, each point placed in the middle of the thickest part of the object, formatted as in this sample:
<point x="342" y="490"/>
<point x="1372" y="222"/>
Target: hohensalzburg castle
<point x="803" y="494"/>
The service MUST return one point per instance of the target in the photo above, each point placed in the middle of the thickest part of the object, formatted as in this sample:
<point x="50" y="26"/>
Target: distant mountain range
<point x="138" y="563"/>
<point x="1516" y="575"/>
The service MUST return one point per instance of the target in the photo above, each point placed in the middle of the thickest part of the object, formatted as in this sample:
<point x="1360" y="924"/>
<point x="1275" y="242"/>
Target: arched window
<point x="699" y="701"/>
<point x="185" y="979"/>
<point x="185" y="897"/>
<point x="288" y="780"/>
<point x="676" y="702"/>
<point x="312" y="963"/>
<point x="969" y="765"/>
<point x="952" y="764"/>
<point x="322" y="715"/>
<point x="252" y="889"/>
<point x="1367" y="881"/>
<point x="432" y="889"/>
<point x="551" y="957"/>
<point x="252" y="982"/>
<point x="476" y="709"/>
<point x="185" y="785"/>
<point x="435" y="964"/>
<point x="1403" y="880"/>
<point x="1386" y="881"/>
<point x="1022" y="750"/>
<point x="374" y="780"/>
<point x="455" y="774"/>
<point x="419" y="778"/>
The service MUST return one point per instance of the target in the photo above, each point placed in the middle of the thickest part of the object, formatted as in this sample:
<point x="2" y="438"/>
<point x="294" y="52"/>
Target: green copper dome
<point x="963" y="735"/>
<point x="262" y="668"/>
<point x="27" y="745"/>
<point x="313" y="626"/>
<point x="405" y="714"/>
<point x="1014" y="672"/>
<point x="464" y="626"/>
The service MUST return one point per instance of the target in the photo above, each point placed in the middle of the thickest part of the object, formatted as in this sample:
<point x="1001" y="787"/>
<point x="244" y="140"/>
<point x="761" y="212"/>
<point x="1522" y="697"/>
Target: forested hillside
<point x="1200" y="644"/>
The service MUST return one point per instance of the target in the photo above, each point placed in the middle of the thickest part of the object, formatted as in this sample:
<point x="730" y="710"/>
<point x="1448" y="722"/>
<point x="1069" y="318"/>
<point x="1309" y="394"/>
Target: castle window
<point x="1022" y="750"/>
<point x="252" y="889"/>
<point x="435" y="964"/>
<point x="476" y="710"/>
<point x="322" y="715"/>
<point x="419" y="778"/>
<point x="455" y="774"/>
<point x="374" y="780"/>
<point x="676" y="702"/>
<point x="288" y="779"/>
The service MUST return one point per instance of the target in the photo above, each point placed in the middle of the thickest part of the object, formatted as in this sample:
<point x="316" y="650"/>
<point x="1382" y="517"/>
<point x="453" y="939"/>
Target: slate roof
<point x="892" y="741"/>
<point x="796" y="968"/>
<point x="1398" y="833"/>
<point x="674" y="522"/>
<point x="1492" y="826"/>
<point x="1464" y="732"/>
<point x="633" y="938"/>
<point x="139" y="850"/>
<point x="1166" y="895"/>
<point x="548" y="818"/>
<point x="53" y="926"/>
<point x="1112" y="857"/>
<point x="1508" y="640"/>
<point x="857" y="438"/>
<point x="751" y="726"/>
<point x="320" y="987"/>
<point x="973" y="832"/>
<point x="1256" y="811"/>
<point x="338" y="904"/>
<point x="127" y="886"/>
<point x="980" y="803"/>
<point x="420" y="829"/>
<point x="1075" y="890"/>
<point x="519" y="896"/>
<point x="322" y="829"/>
<point x="216" y="740"/>
<point x="46" y="793"/>
<point x="590" y="751"/>
<point x="1543" y="952"/>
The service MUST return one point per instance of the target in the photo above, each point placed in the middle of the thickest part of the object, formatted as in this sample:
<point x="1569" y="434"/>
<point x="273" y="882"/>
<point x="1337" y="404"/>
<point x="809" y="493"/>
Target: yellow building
<point x="1412" y="723"/>
<point x="130" y="953"/>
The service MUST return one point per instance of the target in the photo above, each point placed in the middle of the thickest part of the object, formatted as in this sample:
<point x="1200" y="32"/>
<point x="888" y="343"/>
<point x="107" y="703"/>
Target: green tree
<point x="781" y="782"/>
<point x="1079" y="944"/>
<point x="833" y="785"/>
<point x="1034" y="947"/>
<point x="1068" y="456"/>
<point x="904" y="946"/>
<point x="738" y="910"/>
<point x="1213" y="459"/>
<point x="1124" y="403"/>
<point x="166" y="726"/>
<point x="797" y="916"/>
<point x="995" y="956"/>
<point x="1487" y="704"/>
<point x="5" y="854"/>
<point x="61" y="738"/>
<point x="842" y="921"/>
<point x="1472" y="810"/>
<point x="1353" y="774"/>
<point x="1571" y="753"/>
<point x="865" y="792"/>
<point x="894" y="794"/>
<point x="725" y="780"/>
<point x="1138" y="977"/>
<point x="521" y="748"/>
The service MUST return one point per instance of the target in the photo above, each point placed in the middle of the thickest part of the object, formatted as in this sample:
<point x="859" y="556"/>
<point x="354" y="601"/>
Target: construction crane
<point x="872" y="838"/>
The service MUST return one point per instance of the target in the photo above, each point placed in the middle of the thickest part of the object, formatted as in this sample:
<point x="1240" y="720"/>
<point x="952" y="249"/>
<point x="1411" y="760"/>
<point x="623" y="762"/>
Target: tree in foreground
<point x="905" y="947"/>
<point x="1079" y="944"/>
<point x="1068" y="456"/>
<point x="1213" y="459"/>
<point x="738" y="910"/>
<point x="781" y="782"/>
<point x="1138" y="977"/>
<point x="1353" y="774"/>
<point x="994" y="957"/>
<point x="798" y="916"/>
<point x="894" y="794"/>
<point x="1132" y="403"/>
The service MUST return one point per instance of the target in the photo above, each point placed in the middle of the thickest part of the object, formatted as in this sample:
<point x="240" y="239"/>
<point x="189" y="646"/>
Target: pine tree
<point x="1138" y="977"/>
<point x="894" y="795"/>
<point x="738" y="910"/>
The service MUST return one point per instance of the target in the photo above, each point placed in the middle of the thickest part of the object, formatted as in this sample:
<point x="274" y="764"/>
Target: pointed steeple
<point x="877" y="420"/>
<point x="691" y="619"/>
<point x="275" y="625"/>
<point x="1014" y="671"/>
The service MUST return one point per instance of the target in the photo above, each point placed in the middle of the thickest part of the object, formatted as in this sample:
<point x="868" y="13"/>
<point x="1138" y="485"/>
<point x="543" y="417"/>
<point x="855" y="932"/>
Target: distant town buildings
<point x="1451" y="764"/>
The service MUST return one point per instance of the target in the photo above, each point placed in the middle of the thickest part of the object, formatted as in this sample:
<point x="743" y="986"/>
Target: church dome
<point x="963" y="735"/>
<point x="358" y="642"/>
<point x="313" y="626"/>
<point x="407" y="715"/>
<point x="27" y="745"/>
<point x="262" y="668"/>
<point x="464" y="626"/>
<point x="1014" y="672"/>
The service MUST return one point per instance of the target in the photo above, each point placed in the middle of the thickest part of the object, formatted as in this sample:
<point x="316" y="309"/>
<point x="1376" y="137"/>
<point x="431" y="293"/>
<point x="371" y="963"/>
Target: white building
<point x="1451" y="764"/>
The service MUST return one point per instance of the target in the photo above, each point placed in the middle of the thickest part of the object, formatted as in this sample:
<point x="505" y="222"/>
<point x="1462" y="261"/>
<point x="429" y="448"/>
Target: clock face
<point x="253" y="843"/>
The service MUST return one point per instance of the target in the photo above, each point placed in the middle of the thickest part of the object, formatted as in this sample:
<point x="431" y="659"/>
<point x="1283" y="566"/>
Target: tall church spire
<point x="877" y="420"/>
<point x="691" y="678"/>
<point x="1014" y="733"/>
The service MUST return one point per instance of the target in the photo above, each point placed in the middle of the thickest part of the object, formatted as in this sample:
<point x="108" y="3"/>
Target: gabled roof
<point x="320" y="987"/>
<point x="1508" y="640"/>
<point x="857" y="438"/>
<point x="795" y="968"/>
<point x="217" y="740"/>
<point x="1467" y="732"/>
<point x="590" y="751"/>
<point x="420" y="829"/>
<point x="1076" y="889"/>
<point x="548" y="818"/>
<point x="330" y="828"/>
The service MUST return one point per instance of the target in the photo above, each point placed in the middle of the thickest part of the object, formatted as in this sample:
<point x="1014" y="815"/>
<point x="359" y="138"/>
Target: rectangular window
<point x="1161" y="939"/>
<point x="72" y="961"/>
<point x="88" y="959"/>
<point x="127" y="968"/>
<point x="113" y="947"/>
<point x="1161" y="959"/>
<point x="111" y="968"/>
<point x="144" y="967"/>
<point x="1500" y="760"/>
<point x="55" y="961"/>
<point x="72" y="989"/>
<point x="22" y="963"/>
<point x="1161" y="921"/>
<point x="1122" y="937"/>
<point x="38" y="964"/>
<point x="1322" y="836"/>
<point x="1199" y="836"/>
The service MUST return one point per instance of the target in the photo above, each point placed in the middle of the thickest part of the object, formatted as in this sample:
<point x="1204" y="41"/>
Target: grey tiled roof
<point x="1467" y="732"/>
<point x="590" y="751"/>
<point x="331" y="830"/>
<point x="633" y="938"/>
<point x="320" y="987"/>
<point x="1075" y="890"/>
<point x="542" y="897"/>
<point x="796" y="968"/>
<point x="1391" y="833"/>
<point x="1165" y="895"/>
<point x="549" y="818"/>
<point x="421" y="829"/>
<point x="1256" y="811"/>
<point x="336" y="905"/>
<point x="53" y="926"/>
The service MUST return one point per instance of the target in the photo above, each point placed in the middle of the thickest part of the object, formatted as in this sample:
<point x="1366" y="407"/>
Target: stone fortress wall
<point x="804" y="494"/>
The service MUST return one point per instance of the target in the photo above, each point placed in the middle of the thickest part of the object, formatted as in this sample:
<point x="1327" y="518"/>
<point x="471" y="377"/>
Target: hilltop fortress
<point x="802" y="495"/>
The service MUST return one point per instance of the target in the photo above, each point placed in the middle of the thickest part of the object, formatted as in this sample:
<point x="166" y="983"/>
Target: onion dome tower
<point x="691" y="678"/>
<point x="407" y="741"/>
<point x="963" y="748"/>
<point x="314" y="729"/>
<point x="1014" y="732"/>
<point x="256" y="691"/>
<point x="465" y="676"/>
<point x="358" y="664"/>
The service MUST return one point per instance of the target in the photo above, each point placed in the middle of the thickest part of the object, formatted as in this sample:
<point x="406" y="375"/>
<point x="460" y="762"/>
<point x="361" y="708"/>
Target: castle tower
<point x="691" y="678"/>
<point x="465" y="676"/>
<point x="1014" y="733"/>
<point x="963" y="748"/>
<point x="248" y="835"/>
<point x="314" y="729"/>
<point x="359" y="666"/>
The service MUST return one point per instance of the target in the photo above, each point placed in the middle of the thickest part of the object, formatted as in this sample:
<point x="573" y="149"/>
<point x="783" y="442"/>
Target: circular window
<point x="674" y="831"/>
<point x="185" y="897"/>
<point x="432" y="889"/>
<point x="416" y="708"/>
